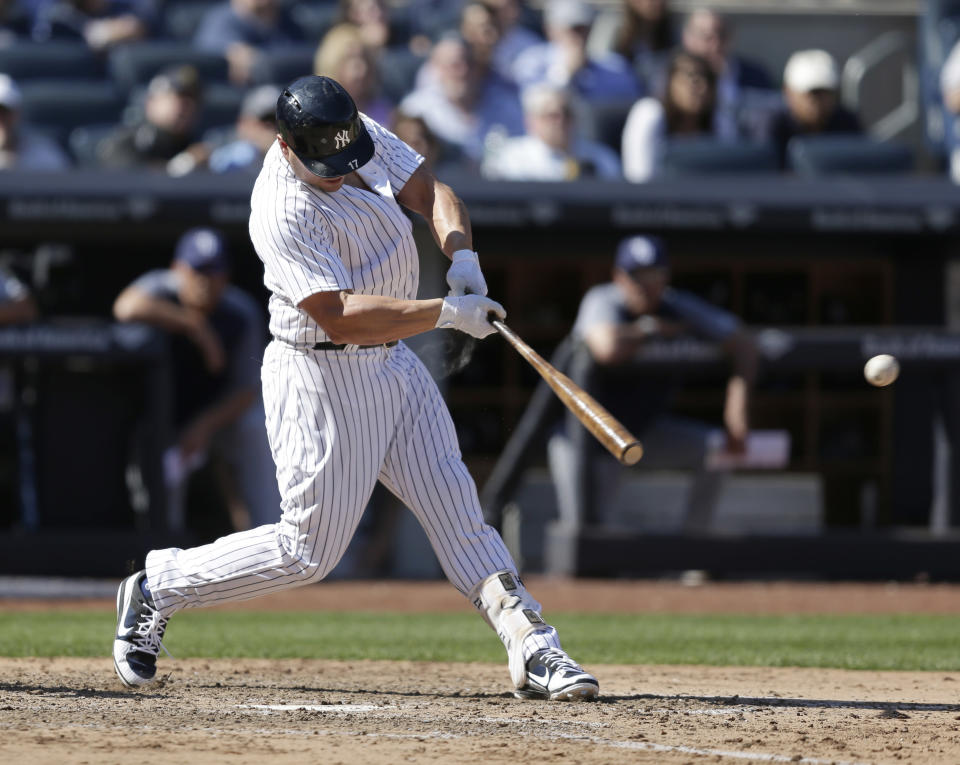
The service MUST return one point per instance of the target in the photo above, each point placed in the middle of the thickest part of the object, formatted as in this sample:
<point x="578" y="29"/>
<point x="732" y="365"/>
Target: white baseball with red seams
<point x="881" y="370"/>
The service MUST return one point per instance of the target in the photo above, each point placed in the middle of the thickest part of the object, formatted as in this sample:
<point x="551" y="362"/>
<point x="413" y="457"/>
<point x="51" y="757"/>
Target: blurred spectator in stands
<point x="17" y="305"/>
<point x="414" y="132"/>
<point x="742" y="84"/>
<point x="463" y="105"/>
<point x="515" y="36"/>
<point x="165" y="132"/>
<point x="810" y="89"/>
<point x="950" y="93"/>
<point x="21" y="147"/>
<point x="378" y="28"/>
<point x="480" y="30"/>
<point x="426" y="21"/>
<point x="343" y="56"/>
<point x="613" y="323"/>
<point x="551" y="150"/>
<point x="100" y="23"/>
<point x="253" y="135"/>
<point x="16" y="21"/>
<point x="688" y="108"/>
<point x="564" y="60"/>
<point x="640" y="31"/>
<point x="438" y="157"/>
<point x="216" y="334"/>
<point x="245" y="30"/>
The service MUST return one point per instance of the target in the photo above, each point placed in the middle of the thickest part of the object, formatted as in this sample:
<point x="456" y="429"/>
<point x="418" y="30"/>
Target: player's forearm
<point x="616" y="343"/>
<point x="373" y="319"/>
<point x="449" y="221"/>
<point x="133" y="305"/>
<point x="736" y="410"/>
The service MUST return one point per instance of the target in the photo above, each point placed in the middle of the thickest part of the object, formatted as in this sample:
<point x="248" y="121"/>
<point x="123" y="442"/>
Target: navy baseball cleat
<point x="551" y="674"/>
<point x="139" y="632"/>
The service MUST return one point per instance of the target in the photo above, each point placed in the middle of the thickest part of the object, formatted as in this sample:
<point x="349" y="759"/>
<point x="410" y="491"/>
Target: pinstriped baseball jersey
<point x="311" y="241"/>
<point x="340" y="420"/>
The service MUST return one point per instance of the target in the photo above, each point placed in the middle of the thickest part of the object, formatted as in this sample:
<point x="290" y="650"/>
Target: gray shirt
<point x="604" y="304"/>
<point x="238" y="322"/>
<point x="637" y="400"/>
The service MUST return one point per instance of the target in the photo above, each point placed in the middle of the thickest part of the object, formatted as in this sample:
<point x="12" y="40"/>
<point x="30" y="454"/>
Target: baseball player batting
<point x="347" y="403"/>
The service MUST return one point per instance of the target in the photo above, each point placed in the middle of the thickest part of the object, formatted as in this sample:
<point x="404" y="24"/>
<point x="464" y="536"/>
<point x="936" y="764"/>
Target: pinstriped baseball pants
<point x="337" y="422"/>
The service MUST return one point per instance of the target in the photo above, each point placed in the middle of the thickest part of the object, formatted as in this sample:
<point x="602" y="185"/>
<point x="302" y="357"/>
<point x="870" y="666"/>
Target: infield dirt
<point x="67" y="711"/>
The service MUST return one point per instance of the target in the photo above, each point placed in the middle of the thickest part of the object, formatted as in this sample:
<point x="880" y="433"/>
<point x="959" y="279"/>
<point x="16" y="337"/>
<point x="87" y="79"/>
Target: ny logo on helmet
<point x="342" y="138"/>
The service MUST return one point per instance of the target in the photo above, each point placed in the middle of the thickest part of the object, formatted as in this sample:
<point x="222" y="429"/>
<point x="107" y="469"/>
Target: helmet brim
<point x="355" y="156"/>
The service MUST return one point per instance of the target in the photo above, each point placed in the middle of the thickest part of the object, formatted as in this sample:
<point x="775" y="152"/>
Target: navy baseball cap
<point x="641" y="252"/>
<point x="204" y="250"/>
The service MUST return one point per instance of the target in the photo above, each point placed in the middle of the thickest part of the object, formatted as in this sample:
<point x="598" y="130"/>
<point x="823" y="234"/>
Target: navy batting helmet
<point x="320" y="123"/>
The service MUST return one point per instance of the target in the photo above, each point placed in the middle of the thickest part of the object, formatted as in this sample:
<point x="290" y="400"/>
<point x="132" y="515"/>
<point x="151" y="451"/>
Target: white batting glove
<point x="464" y="275"/>
<point x="469" y="313"/>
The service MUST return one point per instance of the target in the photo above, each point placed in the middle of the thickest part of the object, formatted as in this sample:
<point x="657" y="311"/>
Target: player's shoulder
<point x="606" y="292"/>
<point x="158" y="282"/>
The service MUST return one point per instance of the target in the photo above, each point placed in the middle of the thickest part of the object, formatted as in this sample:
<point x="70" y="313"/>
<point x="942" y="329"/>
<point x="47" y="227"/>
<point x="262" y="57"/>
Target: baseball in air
<point x="881" y="370"/>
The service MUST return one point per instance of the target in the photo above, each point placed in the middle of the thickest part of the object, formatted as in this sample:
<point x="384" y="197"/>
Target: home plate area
<point x="291" y="711"/>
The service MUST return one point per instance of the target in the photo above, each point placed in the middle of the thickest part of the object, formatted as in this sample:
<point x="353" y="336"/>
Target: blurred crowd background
<point x="499" y="88"/>
<point x="130" y="134"/>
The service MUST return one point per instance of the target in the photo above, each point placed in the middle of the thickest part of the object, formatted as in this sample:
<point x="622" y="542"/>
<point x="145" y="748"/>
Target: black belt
<point x="328" y="346"/>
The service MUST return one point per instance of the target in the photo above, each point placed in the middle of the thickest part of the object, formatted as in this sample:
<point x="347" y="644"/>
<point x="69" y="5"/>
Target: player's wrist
<point x="646" y="326"/>
<point x="465" y="255"/>
<point x="448" y="314"/>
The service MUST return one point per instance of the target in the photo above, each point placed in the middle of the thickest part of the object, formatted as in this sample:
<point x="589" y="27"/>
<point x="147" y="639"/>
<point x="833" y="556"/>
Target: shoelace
<point x="149" y="631"/>
<point x="555" y="660"/>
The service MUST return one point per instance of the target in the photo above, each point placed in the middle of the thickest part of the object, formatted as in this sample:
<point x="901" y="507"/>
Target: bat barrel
<point x="631" y="453"/>
<point x="614" y="437"/>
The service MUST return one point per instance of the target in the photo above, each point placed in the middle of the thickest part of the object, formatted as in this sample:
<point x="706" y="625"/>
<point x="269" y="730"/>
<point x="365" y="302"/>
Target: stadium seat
<point x="603" y="122"/>
<point x="221" y="105"/>
<point x="315" y="19"/>
<point x="134" y="64"/>
<point x="708" y="156"/>
<point x="397" y="69"/>
<point x="181" y="19"/>
<point x="284" y="65"/>
<point x="83" y="140"/>
<point x="57" y="107"/>
<point x="852" y="154"/>
<point x="52" y="60"/>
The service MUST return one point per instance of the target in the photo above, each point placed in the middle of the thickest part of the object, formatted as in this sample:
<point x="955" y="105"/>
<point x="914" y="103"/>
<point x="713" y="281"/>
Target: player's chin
<point x="328" y="184"/>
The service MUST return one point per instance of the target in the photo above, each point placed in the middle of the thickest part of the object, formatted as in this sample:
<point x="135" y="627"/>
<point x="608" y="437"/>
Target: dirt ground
<point x="67" y="711"/>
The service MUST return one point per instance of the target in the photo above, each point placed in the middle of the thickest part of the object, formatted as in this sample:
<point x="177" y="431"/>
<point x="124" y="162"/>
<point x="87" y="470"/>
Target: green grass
<point x="904" y="641"/>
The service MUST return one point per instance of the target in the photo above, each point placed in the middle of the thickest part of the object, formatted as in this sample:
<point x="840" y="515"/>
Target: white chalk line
<point x="342" y="708"/>
<point x="776" y="702"/>
<point x="720" y="711"/>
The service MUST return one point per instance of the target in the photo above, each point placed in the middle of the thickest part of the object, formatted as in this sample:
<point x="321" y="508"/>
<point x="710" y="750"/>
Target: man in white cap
<point x="810" y="84"/>
<point x="20" y="147"/>
<point x="563" y="60"/>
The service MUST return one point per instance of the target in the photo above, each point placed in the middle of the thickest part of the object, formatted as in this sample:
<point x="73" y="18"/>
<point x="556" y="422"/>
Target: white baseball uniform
<point x="339" y="420"/>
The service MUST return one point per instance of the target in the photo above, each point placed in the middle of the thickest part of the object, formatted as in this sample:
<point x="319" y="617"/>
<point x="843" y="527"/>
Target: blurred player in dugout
<point x="613" y="323"/>
<point x="216" y="335"/>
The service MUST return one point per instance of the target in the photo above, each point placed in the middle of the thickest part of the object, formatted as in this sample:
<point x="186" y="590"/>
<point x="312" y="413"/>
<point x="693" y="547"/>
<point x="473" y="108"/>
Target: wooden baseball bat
<point x="604" y="426"/>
